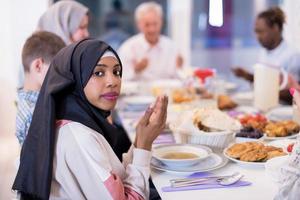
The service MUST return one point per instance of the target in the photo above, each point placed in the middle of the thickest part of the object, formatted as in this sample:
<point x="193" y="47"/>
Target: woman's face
<point x="103" y="87"/>
<point x="82" y="31"/>
<point x="150" y="25"/>
<point x="266" y="35"/>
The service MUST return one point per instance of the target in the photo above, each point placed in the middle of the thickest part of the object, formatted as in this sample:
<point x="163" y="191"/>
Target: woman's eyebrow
<point x="104" y="65"/>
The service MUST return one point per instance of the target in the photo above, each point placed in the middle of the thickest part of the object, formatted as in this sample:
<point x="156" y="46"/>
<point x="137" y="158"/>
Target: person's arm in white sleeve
<point x="89" y="161"/>
<point x="127" y="157"/>
<point x="289" y="183"/>
<point x="289" y="187"/>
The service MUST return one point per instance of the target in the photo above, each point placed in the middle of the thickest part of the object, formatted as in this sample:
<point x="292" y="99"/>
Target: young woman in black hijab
<point x="67" y="153"/>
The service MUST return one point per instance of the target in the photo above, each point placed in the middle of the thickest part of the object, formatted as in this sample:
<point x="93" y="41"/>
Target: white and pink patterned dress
<point x="85" y="167"/>
<point x="289" y="188"/>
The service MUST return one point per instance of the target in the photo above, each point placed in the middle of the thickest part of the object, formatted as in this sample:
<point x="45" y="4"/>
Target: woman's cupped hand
<point x="152" y="123"/>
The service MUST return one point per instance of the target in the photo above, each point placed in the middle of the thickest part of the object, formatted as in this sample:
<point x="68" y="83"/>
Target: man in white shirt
<point x="149" y="55"/>
<point x="276" y="52"/>
<point x="283" y="56"/>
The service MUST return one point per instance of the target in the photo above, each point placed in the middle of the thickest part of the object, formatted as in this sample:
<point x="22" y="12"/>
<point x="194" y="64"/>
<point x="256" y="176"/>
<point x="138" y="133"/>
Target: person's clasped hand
<point x="141" y="65"/>
<point x="152" y="123"/>
<point x="239" y="71"/>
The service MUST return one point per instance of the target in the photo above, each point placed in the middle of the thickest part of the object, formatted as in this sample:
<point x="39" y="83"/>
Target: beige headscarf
<point x="63" y="18"/>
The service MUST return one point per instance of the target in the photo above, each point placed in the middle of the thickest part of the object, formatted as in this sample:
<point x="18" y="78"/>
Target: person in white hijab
<point x="67" y="19"/>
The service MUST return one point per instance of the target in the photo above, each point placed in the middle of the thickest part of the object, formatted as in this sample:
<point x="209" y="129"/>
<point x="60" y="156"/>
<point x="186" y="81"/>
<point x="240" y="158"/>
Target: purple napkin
<point x="211" y="185"/>
<point x="164" y="138"/>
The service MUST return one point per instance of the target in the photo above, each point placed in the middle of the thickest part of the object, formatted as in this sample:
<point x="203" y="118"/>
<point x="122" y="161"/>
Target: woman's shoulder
<point x="76" y="142"/>
<point x="79" y="133"/>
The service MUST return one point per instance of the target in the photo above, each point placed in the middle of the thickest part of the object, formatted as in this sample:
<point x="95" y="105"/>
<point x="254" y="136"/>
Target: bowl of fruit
<point x="253" y="127"/>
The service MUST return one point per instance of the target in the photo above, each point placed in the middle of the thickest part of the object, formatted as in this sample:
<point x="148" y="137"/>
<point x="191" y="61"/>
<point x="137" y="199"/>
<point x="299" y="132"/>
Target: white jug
<point x="266" y="86"/>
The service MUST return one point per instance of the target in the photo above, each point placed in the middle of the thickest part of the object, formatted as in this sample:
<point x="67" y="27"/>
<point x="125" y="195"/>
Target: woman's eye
<point x="98" y="73"/>
<point x="117" y="72"/>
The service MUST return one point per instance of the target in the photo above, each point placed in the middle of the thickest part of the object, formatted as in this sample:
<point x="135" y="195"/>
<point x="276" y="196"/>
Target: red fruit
<point x="292" y="91"/>
<point x="290" y="148"/>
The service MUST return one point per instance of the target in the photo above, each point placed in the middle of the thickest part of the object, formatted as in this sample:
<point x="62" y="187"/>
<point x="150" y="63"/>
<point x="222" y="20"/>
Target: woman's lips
<point x="111" y="96"/>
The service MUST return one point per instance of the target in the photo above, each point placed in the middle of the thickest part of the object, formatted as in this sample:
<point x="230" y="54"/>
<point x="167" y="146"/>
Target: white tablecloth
<point x="262" y="186"/>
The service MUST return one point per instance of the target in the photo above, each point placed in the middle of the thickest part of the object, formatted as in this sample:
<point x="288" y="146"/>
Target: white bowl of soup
<point x="181" y="155"/>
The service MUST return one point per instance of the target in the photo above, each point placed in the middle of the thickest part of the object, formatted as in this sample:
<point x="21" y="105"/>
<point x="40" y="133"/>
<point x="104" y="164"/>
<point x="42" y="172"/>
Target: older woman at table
<point x="67" y="19"/>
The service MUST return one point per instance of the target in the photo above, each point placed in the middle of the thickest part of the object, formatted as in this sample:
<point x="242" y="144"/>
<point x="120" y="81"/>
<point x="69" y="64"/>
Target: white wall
<point x="18" y="20"/>
<point x="292" y="27"/>
<point x="179" y="20"/>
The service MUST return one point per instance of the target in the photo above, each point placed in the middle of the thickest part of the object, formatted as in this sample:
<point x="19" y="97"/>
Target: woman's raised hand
<point x="152" y="123"/>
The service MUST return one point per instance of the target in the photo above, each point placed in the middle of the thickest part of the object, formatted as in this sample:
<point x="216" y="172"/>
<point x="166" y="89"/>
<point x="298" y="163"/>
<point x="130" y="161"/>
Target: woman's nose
<point x="111" y="80"/>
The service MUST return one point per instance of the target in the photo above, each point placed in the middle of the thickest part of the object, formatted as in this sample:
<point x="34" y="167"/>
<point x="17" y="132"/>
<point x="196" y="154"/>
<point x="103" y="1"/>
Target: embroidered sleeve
<point x="289" y="182"/>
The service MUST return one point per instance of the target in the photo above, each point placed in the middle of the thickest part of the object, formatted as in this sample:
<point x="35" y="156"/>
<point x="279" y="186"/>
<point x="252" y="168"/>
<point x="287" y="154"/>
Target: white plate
<point x="129" y="87"/>
<point x="244" y="163"/>
<point x="167" y="83"/>
<point x="213" y="162"/>
<point x="247" y="109"/>
<point x="201" y="151"/>
<point x="244" y="95"/>
<point x="281" y="138"/>
<point x="284" y="143"/>
<point x="280" y="113"/>
<point x="245" y="139"/>
<point x="230" y="86"/>
<point x="139" y="100"/>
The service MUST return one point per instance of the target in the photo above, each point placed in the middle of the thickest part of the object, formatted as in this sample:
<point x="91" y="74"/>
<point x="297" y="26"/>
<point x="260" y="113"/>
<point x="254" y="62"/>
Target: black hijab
<point x="62" y="97"/>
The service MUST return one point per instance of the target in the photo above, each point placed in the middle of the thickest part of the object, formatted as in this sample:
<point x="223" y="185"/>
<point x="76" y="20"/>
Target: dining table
<point x="261" y="185"/>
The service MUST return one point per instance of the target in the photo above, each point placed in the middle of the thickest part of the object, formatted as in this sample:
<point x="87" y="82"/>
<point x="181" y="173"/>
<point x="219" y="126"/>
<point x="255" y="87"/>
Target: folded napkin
<point x="210" y="185"/>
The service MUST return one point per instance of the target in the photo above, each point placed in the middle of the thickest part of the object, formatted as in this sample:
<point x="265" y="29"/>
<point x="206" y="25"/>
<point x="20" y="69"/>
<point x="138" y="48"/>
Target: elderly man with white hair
<point x="149" y="55"/>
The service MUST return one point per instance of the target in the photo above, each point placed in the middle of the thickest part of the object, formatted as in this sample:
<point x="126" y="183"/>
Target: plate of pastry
<point x="182" y="95"/>
<point x="225" y="102"/>
<point x="285" y="129"/>
<point x="292" y="136"/>
<point x="252" y="154"/>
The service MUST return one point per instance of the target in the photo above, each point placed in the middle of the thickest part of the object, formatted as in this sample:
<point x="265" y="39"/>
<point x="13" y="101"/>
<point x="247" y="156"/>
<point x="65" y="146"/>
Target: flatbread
<point x="215" y="119"/>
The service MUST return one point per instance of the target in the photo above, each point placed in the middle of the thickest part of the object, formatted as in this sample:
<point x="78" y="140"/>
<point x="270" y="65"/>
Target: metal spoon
<point x="222" y="180"/>
<point x="230" y="180"/>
